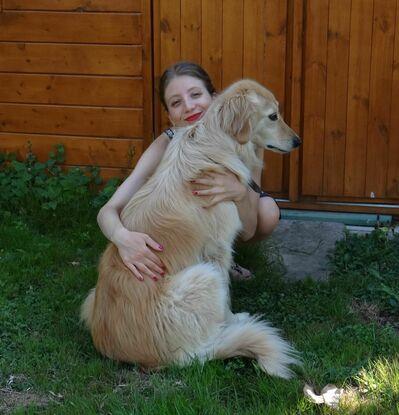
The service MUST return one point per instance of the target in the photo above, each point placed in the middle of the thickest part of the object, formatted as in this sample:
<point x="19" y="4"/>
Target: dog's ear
<point x="235" y="115"/>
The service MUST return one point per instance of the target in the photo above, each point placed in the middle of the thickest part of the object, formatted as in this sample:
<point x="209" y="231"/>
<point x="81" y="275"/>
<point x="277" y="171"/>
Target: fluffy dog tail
<point x="251" y="337"/>
<point x="87" y="309"/>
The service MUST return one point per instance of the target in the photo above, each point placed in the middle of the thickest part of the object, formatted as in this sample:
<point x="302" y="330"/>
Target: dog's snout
<point x="296" y="142"/>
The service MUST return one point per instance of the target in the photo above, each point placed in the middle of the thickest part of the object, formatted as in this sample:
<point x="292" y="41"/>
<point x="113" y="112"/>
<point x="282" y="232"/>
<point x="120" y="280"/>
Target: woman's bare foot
<point x="239" y="273"/>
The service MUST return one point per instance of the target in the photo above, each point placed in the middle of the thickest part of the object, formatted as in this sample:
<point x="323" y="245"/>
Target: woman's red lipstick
<point x="194" y="117"/>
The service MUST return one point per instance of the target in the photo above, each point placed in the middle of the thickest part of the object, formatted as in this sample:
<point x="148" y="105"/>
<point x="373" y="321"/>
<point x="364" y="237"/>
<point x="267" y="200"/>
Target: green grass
<point x="346" y="330"/>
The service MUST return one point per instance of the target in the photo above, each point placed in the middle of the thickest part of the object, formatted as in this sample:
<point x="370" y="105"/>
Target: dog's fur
<point x="186" y="315"/>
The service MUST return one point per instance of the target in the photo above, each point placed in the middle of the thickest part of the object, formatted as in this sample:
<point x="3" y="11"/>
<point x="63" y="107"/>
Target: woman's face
<point x="187" y="100"/>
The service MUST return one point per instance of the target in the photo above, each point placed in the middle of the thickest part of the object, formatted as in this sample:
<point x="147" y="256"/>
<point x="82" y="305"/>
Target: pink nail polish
<point x="160" y="247"/>
<point x="195" y="193"/>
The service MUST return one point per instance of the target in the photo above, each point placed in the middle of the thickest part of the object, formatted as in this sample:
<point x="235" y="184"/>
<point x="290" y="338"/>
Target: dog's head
<point x="249" y="112"/>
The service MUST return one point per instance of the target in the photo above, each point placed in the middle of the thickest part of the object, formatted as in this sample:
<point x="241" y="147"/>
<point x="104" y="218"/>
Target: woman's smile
<point x="194" y="117"/>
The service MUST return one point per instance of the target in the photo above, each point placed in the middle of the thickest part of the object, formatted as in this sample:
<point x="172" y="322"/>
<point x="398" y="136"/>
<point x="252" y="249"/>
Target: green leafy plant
<point x="46" y="190"/>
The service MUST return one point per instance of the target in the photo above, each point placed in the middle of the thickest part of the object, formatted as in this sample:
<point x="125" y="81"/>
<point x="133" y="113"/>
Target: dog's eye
<point x="274" y="116"/>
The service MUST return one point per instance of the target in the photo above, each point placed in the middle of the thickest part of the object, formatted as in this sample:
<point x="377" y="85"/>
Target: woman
<point x="186" y="92"/>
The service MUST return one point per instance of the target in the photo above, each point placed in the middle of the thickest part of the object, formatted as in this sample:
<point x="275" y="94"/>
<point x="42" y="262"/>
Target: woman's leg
<point x="268" y="218"/>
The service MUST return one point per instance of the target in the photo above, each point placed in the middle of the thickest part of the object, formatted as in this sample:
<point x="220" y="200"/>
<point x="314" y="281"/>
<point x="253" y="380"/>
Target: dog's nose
<point x="296" y="142"/>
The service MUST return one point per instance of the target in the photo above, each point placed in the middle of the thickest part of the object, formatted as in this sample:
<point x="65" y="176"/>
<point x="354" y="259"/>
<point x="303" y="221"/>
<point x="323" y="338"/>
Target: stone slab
<point x="304" y="246"/>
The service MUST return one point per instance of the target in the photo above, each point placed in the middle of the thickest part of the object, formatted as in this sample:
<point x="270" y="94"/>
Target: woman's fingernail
<point x="160" y="247"/>
<point x="154" y="278"/>
<point x="195" y="192"/>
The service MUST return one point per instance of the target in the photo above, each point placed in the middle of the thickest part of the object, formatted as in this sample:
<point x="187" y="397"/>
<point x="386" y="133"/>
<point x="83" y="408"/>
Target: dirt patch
<point x="370" y="313"/>
<point x="11" y="400"/>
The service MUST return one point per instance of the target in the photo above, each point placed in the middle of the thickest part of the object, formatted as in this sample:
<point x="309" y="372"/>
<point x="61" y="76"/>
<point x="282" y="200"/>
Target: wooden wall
<point x="351" y="100"/>
<point x="75" y="72"/>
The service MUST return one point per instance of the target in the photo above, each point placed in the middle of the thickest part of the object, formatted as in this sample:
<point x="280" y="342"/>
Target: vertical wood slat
<point x="314" y="98"/>
<point x="380" y="94"/>
<point x="170" y="29"/>
<point x="253" y="42"/>
<point x="148" y="109"/>
<point x="294" y="80"/>
<point x="336" y="97"/>
<point x="393" y="161"/>
<point x="275" y="30"/>
<point x="232" y="41"/>
<point x="358" y="97"/>
<point x="191" y="30"/>
<point x="212" y="13"/>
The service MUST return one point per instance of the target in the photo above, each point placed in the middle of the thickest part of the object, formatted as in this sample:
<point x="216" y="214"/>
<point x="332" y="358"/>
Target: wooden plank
<point x="358" y="97"/>
<point x="212" y="13"/>
<point x="71" y="90"/>
<point x="294" y="80"/>
<point x="170" y="40"/>
<point x="275" y="35"/>
<point x="336" y="97"/>
<point x="233" y="26"/>
<point x="191" y="30"/>
<point x="84" y="151"/>
<point x="148" y="108"/>
<point x="107" y="28"/>
<point x="87" y="121"/>
<point x="393" y="160"/>
<point x="70" y="59"/>
<point x="380" y="94"/>
<point x="156" y="13"/>
<point x="170" y="32"/>
<point x="75" y="5"/>
<point x="314" y="98"/>
<point x="253" y="43"/>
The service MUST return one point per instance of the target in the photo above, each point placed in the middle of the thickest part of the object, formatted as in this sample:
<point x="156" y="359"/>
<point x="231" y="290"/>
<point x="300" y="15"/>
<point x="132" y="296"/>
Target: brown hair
<point x="184" y="68"/>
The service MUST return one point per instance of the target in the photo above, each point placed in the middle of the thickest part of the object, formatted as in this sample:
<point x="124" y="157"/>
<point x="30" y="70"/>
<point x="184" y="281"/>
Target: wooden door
<point x="350" y="101"/>
<point x="76" y="72"/>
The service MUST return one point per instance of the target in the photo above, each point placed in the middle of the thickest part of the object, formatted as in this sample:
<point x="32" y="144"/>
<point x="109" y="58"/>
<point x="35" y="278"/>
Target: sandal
<point x="239" y="273"/>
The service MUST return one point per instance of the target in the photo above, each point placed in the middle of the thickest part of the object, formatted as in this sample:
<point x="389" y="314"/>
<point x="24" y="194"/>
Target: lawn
<point x="346" y="329"/>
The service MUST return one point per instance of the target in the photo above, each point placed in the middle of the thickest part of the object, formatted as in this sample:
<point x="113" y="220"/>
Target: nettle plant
<point x="29" y="185"/>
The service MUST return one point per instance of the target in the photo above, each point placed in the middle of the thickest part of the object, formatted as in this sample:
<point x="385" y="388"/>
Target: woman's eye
<point x="175" y="103"/>
<point x="274" y="116"/>
<point x="196" y="94"/>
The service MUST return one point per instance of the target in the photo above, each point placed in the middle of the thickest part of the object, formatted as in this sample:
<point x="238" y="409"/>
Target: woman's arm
<point x="134" y="247"/>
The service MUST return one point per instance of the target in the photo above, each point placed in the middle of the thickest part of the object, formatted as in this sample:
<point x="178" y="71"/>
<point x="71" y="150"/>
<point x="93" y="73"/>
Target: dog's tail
<point x="251" y="337"/>
<point x="87" y="309"/>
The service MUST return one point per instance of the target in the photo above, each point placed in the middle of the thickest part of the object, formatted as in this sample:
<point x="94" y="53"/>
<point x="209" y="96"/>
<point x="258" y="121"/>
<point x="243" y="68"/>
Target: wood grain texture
<point x="83" y="151"/>
<point x="70" y="59"/>
<point x="212" y="25"/>
<point x="71" y="90"/>
<point x="232" y="37"/>
<point x="336" y="96"/>
<point x="358" y="97"/>
<point x="75" y="5"/>
<point x="380" y="97"/>
<point x="191" y="30"/>
<point x="393" y="151"/>
<point x="315" y="65"/>
<point x="50" y="119"/>
<point x="99" y="28"/>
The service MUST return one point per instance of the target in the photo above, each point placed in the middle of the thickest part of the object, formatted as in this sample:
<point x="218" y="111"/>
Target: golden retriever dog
<point x="186" y="315"/>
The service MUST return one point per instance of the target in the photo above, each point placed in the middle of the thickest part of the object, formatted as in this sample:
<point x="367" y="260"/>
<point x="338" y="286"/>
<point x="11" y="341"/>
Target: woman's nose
<point x="188" y="104"/>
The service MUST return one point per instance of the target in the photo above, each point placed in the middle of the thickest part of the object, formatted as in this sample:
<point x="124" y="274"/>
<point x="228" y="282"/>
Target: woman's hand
<point x="219" y="187"/>
<point x="136" y="252"/>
